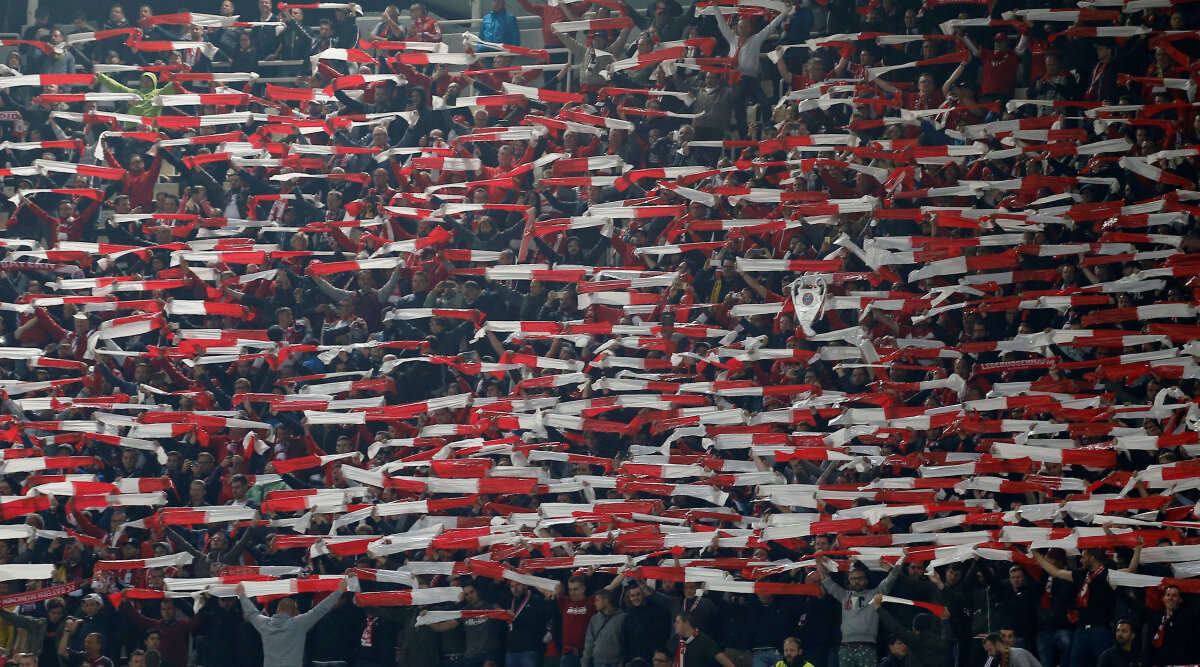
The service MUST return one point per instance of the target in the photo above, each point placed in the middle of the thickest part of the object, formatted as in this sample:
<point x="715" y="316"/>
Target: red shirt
<point x="425" y="30"/>
<point x="575" y="618"/>
<point x="999" y="75"/>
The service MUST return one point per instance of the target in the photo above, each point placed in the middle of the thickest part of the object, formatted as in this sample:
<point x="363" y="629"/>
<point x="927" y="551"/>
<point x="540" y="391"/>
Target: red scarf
<point x="681" y="651"/>
<point x="514" y="611"/>
<point x="1081" y="598"/>
<point x="368" y="633"/>
<point x="1162" y="628"/>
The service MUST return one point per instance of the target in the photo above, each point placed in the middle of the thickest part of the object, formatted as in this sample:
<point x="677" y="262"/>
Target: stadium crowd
<point x="755" y="333"/>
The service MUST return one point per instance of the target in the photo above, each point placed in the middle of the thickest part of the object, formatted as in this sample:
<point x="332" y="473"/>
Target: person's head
<point x="417" y="11"/>
<point x="660" y="659"/>
<point x="91" y="605"/>
<point x="92" y="644"/>
<point x="685" y="624"/>
<point x="605" y="601"/>
<point x="1125" y="634"/>
<point x="791" y="649"/>
<point x="137" y="658"/>
<point x="116" y="13"/>
<point x="498" y="5"/>
<point x="1091" y="559"/>
<point x="897" y="647"/>
<point x="518" y="589"/>
<point x="577" y="588"/>
<point x="56" y="608"/>
<point x="169" y="611"/>
<point x="136" y="164"/>
<point x="154" y="639"/>
<point x="1008" y="636"/>
<point x="1016" y="577"/>
<point x="238" y="485"/>
<point x="745" y="27"/>
<point x="471" y="594"/>
<point x="857" y="578"/>
<point x="994" y="645"/>
<point x="288" y="607"/>
<point x="27" y="660"/>
<point x="1172" y="597"/>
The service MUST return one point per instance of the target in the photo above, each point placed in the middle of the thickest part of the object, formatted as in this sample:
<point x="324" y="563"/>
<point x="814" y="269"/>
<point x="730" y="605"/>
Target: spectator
<point x="284" y="632"/>
<point x="1123" y="653"/>
<point x="90" y="656"/>
<point x="924" y="645"/>
<point x="499" y="27"/>
<point x="1167" y="638"/>
<point x="526" y="633"/>
<point x="793" y="654"/>
<point x="693" y="648"/>
<point x="424" y="27"/>
<point x="604" y="644"/>
<point x="1000" y="653"/>
<point x="860" y="621"/>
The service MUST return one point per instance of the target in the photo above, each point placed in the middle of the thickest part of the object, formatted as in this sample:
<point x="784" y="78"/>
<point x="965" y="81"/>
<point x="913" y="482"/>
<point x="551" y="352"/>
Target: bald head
<point x="288" y="606"/>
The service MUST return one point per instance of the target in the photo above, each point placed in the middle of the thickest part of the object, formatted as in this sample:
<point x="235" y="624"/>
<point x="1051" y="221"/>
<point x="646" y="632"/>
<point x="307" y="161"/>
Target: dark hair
<point x="994" y="638"/>
<point x="687" y="617"/>
<point x="1126" y="621"/>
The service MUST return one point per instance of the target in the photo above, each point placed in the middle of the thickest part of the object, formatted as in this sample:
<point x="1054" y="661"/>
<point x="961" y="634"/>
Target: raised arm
<point x="112" y="84"/>
<point x="726" y="31"/>
<point x="1049" y="567"/>
<point x="892" y="577"/>
<point x="331" y="291"/>
<point x="256" y="617"/>
<point x="949" y="84"/>
<point x="310" y="617"/>
<point x="970" y="46"/>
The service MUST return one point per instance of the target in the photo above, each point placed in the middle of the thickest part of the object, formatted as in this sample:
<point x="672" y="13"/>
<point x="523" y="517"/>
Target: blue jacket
<point x="501" y="28"/>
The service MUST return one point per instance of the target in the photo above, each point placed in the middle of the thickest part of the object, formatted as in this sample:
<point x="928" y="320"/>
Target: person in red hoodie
<point x="138" y="181"/>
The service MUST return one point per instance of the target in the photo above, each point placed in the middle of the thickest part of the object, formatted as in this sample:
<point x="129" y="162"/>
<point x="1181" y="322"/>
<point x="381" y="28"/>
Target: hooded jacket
<point x="146" y="106"/>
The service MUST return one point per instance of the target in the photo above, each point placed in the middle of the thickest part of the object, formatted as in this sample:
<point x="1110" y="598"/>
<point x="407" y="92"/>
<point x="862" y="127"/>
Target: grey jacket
<point x="860" y="623"/>
<point x="714" y="107"/>
<point x="1017" y="657"/>
<point x="283" y="636"/>
<point x="602" y="640"/>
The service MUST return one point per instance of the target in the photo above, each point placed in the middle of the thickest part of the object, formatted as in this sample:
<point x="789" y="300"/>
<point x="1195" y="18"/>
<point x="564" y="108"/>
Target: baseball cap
<point x="93" y="597"/>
